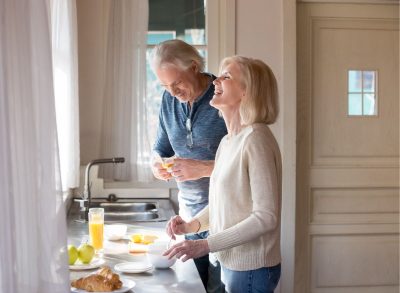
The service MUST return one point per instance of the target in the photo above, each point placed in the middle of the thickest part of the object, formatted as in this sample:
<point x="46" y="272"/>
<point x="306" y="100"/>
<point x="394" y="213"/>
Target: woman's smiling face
<point x="229" y="90"/>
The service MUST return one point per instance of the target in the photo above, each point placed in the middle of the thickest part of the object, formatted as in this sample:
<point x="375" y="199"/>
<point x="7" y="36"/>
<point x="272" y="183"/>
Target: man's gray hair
<point x="176" y="53"/>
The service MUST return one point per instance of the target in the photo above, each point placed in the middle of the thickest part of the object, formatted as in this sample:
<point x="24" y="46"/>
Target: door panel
<point x="340" y="45"/>
<point x="347" y="205"/>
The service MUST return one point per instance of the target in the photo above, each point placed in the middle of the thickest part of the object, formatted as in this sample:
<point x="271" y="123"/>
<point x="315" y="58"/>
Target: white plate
<point x="95" y="263"/>
<point x="115" y="231"/>
<point x="133" y="267"/>
<point x="126" y="286"/>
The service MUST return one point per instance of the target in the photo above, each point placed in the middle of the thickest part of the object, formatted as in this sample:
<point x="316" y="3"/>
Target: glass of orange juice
<point x="96" y="229"/>
<point x="167" y="163"/>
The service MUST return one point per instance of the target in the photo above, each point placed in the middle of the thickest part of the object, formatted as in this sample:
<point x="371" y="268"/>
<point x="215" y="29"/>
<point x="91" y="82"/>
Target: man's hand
<point x="160" y="172"/>
<point x="190" y="169"/>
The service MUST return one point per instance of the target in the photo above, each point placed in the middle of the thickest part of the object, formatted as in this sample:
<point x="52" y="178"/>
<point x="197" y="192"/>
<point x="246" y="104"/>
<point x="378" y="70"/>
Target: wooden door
<point x="347" y="204"/>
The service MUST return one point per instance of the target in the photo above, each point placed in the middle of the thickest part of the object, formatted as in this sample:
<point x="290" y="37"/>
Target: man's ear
<point x="195" y="67"/>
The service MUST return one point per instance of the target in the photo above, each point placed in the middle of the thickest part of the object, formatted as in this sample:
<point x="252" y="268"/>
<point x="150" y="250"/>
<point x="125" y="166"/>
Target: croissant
<point x="93" y="283"/>
<point x="107" y="273"/>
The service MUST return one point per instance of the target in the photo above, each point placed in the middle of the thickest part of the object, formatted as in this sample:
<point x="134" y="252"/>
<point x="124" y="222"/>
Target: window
<point x="189" y="21"/>
<point x="179" y="19"/>
<point x="362" y="93"/>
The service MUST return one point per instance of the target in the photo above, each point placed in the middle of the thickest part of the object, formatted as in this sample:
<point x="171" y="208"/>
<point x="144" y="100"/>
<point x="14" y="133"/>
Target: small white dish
<point x="95" y="263"/>
<point x="161" y="262"/>
<point x="115" y="231"/>
<point x="156" y="257"/>
<point x="126" y="286"/>
<point x="133" y="267"/>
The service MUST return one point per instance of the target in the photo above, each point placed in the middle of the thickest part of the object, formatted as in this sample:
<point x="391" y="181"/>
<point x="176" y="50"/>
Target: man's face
<point x="179" y="83"/>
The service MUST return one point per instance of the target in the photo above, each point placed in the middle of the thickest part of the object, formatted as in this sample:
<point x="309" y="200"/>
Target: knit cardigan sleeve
<point x="203" y="218"/>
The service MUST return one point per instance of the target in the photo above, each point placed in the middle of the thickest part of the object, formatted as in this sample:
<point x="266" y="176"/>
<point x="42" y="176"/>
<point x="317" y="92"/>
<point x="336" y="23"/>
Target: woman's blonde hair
<point x="260" y="104"/>
<point x="176" y="53"/>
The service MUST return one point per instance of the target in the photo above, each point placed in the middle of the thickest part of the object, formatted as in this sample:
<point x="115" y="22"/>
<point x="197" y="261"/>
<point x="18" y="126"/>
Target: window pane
<point x="369" y="81"/>
<point x="355" y="104"/>
<point x="203" y="53"/>
<point x="155" y="37"/>
<point x="355" y="81"/>
<point x="369" y="104"/>
<point x="185" y="18"/>
<point x="170" y="19"/>
<point x="195" y="36"/>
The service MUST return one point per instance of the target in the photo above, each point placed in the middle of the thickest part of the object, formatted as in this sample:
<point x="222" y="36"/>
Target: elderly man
<point x="190" y="131"/>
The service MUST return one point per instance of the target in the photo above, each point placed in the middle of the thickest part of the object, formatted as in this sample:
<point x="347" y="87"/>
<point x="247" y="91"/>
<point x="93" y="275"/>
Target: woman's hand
<point x="177" y="226"/>
<point x="188" y="249"/>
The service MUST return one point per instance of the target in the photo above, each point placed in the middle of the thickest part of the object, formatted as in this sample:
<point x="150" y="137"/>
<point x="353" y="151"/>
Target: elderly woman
<point x="184" y="133"/>
<point x="244" y="209"/>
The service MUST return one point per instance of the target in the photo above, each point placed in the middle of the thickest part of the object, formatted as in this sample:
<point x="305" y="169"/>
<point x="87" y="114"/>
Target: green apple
<point x="85" y="253"/>
<point x="72" y="254"/>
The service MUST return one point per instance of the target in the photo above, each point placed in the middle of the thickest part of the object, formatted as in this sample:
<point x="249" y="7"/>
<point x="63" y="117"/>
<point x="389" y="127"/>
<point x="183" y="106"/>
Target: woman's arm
<point x="203" y="219"/>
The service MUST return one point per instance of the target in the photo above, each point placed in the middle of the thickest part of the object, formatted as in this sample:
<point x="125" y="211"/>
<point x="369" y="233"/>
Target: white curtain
<point x="124" y="116"/>
<point x="65" y="73"/>
<point x="32" y="217"/>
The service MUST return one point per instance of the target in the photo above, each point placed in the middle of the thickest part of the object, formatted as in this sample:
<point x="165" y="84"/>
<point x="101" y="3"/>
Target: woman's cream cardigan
<point x="243" y="215"/>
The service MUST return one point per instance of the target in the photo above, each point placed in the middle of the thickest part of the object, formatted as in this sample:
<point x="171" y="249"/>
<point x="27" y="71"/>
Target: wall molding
<point x="354" y="206"/>
<point x="362" y="254"/>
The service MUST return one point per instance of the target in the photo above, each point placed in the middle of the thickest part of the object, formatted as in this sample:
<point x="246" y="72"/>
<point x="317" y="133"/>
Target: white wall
<point x="259" y="35"/>
<point x="266" y="29"/>
<point x="91" y="51"/>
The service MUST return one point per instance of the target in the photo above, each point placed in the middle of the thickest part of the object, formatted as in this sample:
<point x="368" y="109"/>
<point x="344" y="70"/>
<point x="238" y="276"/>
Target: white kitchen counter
<point x="181" y="277"/>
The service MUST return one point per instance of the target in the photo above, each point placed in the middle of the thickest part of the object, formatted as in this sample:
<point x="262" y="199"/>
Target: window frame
<point x="220" y="16"/>
<point x="362" y="93"/>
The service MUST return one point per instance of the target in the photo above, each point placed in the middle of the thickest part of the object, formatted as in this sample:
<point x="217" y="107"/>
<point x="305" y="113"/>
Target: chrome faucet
<point x="85" y="202"/>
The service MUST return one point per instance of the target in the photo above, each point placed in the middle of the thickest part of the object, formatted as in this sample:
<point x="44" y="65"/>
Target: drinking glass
<point x="96" y="229"/>
<point x="168" y="163"/>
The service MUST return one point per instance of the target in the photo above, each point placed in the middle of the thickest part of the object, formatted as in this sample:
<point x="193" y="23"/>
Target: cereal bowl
<point x="156" y="257"/>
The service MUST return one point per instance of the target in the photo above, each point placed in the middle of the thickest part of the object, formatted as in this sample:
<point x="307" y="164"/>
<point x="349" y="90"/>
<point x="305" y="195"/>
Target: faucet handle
<point x="83" y="209"/>
<point x="83" y="203"/>
<point x="118" y="160"/>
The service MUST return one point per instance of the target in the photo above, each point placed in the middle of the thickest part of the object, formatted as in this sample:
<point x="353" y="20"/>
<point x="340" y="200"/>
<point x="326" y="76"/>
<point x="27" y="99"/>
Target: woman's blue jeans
<point x="208" y="267"/>
<point x="263" y="280"/>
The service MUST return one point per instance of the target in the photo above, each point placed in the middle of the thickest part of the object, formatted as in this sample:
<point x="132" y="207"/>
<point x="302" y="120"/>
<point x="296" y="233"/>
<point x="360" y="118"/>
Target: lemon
<point x="137" y="238"/>
<point x="143" y="238"/>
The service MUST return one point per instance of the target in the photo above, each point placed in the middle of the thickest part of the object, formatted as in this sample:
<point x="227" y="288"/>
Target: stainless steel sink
<point x="130" y="216"/>
<point x="128" y="206"/>
<point x="130" y="211"/>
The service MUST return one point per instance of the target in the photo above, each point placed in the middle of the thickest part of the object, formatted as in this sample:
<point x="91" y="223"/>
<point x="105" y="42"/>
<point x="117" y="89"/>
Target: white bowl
<point x="160" y="262"/>
<point x="115" y="232"/>
<point x="156" y="258"/>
